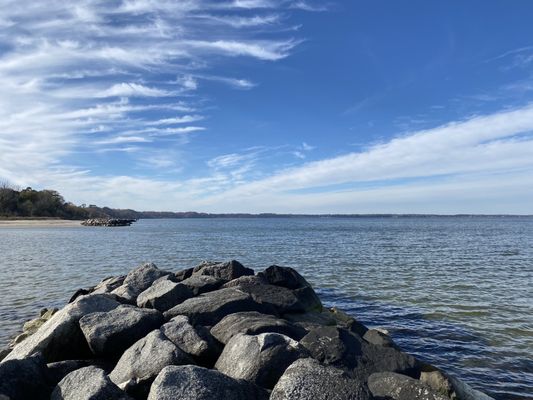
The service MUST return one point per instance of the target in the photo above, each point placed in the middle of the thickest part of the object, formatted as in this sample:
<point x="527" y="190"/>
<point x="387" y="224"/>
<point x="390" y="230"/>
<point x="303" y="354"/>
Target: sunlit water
<point x="456" y="292"/>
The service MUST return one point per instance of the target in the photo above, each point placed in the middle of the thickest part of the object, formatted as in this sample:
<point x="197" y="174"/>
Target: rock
<point x="378" y="358"/>
<point x="109" y="284"/>
<point x="333" y="346"/>
<point x="61" y="338"/>
<point x="253" y="323"/>
<point x="138" y="280"/>
<point x="196" y="342"/>
<point x="379" y="338"/>
<point x="348" y="322"/>
<point x="4" y="352"/>
<point x="284" y="276"/>
<point x="449" y="386"/>
<point x="246" y="280"/>
<point x="192" y="382"/>
<point x="227" y="271"/>
<point x="260" y="359"/>
<point x="307" y="379"/>
<point x="110" y="333"/>
<point x="58" y="370"/>
<point x="400" y="387"/>
<point x="163" y="295"/>
<point x="89" y="383"/>
<point x="202" y="284"/>
<point x="210" y="308"/>
<point x="142" y="362"/>
<point x="463" y="391"/>
<point x="282" y="299"/>
<point x="311" y="319"/>
<point x="24" y="379"/>
<point x="183" y="274"/>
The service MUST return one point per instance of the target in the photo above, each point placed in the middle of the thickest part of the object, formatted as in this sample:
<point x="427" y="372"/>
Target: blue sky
<point x="271" y="105"/>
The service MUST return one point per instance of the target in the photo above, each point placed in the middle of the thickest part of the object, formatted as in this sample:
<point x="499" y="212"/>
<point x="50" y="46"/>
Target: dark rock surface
<point x="110" y="333"/>
<point x="284" y="276"/>
<point x="246" y="280"/>
<point x="89" y="383"/>
<point x="24" y="379"/>
<point x="400" y="387"/>
<point x="227" y="270"/>
<point x="307" y="379"/>
<point x="260" y="359"/>
<point x="253" y="323"/>
<point x="138" y="280"/>
<point x="199" y="284"/>
<point x="210" y="308"/>
<point x="283" y="300"/>
<point x="192" y="382"/>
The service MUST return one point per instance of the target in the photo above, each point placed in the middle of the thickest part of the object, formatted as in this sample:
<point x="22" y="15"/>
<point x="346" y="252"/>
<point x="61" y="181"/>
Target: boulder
<point x="109" y="284"/>
<point x="260" y="359"/>
<point x="282" y="299"/>
<point x="89" y="383"/>
<point x="246" y="280"/>
<point x="449" y="386"/>
<point x="199" y="284"/>
<point x="24" y="379"/>
<point x="307" y="379"/>
<point x="183" y="274"/>
<point x="197" y="342"/>
<point x="333" y="346"/>
<point x="210" y="308"/>
<point x="377" y="358"/>
<point x="395" y="386"/>
<point x="138" y="280"/>
<point x="311" y="319"/>
<point x="346" y="321"/>
<point x="142" y="362"/>
<point x="227" y="270"/>
<point x="379" y="338"/>
<point x="192" y="382"/>
<point x="110" y="333"/>
<point x="58" y="370"/>
<point x="163" y="295"/>
<point x="284" y="276"/>
<point x="253" y="323"/>
<point x="60" y="338"/>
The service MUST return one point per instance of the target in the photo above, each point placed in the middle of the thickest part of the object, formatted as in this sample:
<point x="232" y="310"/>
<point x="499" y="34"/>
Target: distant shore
<point x="35" y="223"/>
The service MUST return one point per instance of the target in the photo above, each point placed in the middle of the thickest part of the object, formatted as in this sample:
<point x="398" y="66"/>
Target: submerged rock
<point x="110" y="333"/>
<point x="192" y="382"/>
<point x="260" y="359"/>
<point x="89" y="383"/>
<point x="307" y="379"/>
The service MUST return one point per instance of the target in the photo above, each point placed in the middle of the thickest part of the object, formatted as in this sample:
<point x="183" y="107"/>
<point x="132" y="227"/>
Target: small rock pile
<point x="108" y="222"/>
<point x="215" y="331"/>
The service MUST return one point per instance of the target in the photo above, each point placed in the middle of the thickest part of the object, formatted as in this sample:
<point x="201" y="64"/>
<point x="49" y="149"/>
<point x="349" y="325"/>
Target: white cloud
<point x="133" y="90"/>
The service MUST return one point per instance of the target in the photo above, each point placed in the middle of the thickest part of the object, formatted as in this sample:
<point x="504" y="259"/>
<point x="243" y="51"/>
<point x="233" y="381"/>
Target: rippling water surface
<point x="456" y="292"/>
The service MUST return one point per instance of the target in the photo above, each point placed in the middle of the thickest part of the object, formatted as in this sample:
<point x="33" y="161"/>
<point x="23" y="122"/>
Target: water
<point x="456" y="292"/>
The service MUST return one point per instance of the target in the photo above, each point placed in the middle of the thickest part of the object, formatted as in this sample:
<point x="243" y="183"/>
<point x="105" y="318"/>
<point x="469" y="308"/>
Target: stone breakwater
<point x="215" y="331"/>
<point x="108" y="222"/>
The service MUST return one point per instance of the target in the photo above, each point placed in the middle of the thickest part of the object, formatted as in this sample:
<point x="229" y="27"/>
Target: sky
<point x="287" y="106"/>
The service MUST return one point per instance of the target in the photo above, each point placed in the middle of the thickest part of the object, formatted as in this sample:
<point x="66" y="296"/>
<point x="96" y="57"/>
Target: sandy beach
<point x="39" y="223"/>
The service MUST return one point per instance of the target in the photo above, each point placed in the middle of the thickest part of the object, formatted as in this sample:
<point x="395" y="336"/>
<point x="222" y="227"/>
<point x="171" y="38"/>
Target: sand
<point x="39" y="223"/>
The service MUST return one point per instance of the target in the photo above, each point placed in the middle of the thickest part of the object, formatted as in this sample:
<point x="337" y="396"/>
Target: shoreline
<point x="39" y="223"/>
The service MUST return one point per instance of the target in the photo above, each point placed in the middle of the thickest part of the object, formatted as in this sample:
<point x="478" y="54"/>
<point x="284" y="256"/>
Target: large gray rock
<point x="209" y="308"/>
<point x="227" y="270"/>
<point x="333" y="346"/>
<point x="192" y="382"/>
<point x="400" y="387"/>
<point x="138" y="280"/>
<point x="246" y="280"/>
<point x="199" y="284"/>
<point x="283" y="300"/>
<point x="377" y="358"/>
<point x="60" y="338"/>
<point x="142" y="362"/>
<point x="59" y="369"/>
<point x="307" y="379"/>
<point x="109" y="284"/>
<point x="24" y="379"/>
<point x="379" y="338"/>
<point x="89" y="383"/>
<point x="110" y="333"/>
<point x="260" y="359"/>
<point x="253" y="323"/>
<point x="183" y="274"/>
<point x="452" y="387"/>
<point x="163" y="295"/>
<point x="197" y="342"/>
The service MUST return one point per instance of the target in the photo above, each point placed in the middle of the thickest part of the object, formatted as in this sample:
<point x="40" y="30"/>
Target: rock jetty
<point x="215" y="331"/>
<point x="108" y="222"/>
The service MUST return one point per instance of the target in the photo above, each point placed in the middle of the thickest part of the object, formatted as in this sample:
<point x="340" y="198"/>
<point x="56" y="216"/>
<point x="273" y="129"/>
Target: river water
<point x="454" y="291"/>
